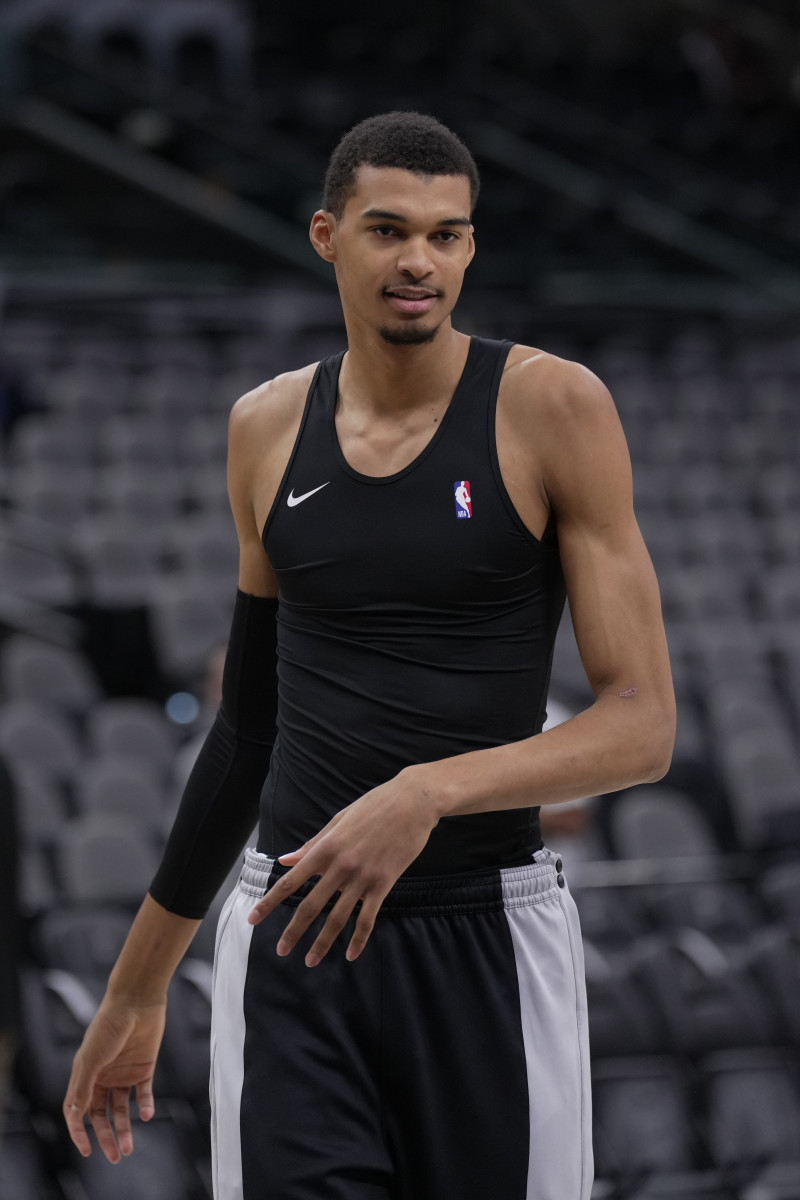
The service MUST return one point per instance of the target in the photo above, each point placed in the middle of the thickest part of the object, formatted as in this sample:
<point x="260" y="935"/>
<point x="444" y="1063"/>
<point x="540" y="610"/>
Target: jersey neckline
<point x="426" y="449"/>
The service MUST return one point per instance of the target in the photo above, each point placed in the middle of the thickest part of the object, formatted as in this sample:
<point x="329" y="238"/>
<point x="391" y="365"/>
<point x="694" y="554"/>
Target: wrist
<point x="432" y="788"/>
<point x="135" y="993"/>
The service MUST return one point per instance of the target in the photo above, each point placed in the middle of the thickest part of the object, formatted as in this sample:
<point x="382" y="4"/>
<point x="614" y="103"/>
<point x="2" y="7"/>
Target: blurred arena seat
<point x="31" y="669"/>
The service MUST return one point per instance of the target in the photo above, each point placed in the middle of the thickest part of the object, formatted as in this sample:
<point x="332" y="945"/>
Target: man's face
<point x="400" y="249"/>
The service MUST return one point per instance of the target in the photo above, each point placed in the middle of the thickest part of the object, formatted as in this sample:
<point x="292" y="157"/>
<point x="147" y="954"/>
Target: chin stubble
<point x="408" y="335"/>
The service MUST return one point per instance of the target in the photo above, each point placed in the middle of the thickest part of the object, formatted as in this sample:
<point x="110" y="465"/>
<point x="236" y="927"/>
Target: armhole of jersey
<point x="548" y="541"/>
<point x="284" y="478"/>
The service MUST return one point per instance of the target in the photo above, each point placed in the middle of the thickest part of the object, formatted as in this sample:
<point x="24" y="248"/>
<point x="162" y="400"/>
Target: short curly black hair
<point x="410" y="140"/>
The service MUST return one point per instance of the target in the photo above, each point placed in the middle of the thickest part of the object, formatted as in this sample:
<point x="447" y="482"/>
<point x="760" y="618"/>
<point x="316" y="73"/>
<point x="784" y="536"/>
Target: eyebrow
<point x="385" y="215"/>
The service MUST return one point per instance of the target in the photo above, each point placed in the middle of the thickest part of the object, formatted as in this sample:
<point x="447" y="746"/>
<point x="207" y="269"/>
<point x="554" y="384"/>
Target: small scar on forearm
<point x="631" y="691"/>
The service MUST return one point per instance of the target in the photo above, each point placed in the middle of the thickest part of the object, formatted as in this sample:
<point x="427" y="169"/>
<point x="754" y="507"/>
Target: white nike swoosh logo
<point x="291" y="499"/>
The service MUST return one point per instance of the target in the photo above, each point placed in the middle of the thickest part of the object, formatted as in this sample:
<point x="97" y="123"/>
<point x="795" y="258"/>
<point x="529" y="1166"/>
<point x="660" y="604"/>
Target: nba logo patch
<point x="463" y="498"/>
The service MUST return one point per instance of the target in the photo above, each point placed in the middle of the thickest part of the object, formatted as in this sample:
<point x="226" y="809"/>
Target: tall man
<point x="413" y="511"/>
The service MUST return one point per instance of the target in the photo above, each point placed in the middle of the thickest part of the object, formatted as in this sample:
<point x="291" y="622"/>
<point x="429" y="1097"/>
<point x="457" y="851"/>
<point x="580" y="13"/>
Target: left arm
<point x="625" y="737"/>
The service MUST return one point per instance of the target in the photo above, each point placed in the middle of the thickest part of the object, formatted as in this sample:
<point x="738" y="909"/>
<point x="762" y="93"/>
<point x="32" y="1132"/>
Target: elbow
<point x="660" y="742"/>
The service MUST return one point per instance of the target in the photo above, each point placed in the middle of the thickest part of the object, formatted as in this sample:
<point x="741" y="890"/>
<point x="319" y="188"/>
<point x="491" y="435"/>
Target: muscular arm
<point x="577" y="451"/>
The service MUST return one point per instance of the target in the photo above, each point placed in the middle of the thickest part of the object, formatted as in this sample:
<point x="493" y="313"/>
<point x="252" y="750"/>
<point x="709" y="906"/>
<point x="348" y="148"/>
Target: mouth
<point x="411" y="299"/>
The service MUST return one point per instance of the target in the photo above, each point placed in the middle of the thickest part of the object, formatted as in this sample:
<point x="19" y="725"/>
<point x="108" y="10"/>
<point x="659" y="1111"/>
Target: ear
<point x="471" y="253"/>
<point x="323" y="234"/>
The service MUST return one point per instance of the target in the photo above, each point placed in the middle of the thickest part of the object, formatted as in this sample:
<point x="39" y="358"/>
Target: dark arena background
<point x="159" y="161"/>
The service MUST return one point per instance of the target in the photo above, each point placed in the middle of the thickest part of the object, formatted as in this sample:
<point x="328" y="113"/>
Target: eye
<point x="447" y="235"/>
<point x="384" y="231"/>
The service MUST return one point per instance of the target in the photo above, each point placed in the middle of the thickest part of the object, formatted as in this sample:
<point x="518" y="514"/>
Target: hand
<point x="360" y="854"/>
<point x="118" y="1052"/>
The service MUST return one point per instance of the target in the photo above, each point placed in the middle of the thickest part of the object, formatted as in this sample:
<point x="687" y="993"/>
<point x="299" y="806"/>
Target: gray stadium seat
<point x="173" y="392"/>
<point x="32" y="733"/>
<point x="206" y="546"/>
<point x="24" y="1174"/>
<point x="42" y="437"/>
<point x="737" y="705"/>
<point x="702" y="592"/>
<point x="753" y="1107"/>
<point x="778" y="490"/>
<point x="783" y="537"/>
<point x="622" y="1018"/>
<point x="707" y="1000"/>
<point x="140" y="493"/>
<point x="728" y="651"/>
<point x="188" y="1029"/>
<point x="37" y="573"/>
<point x="207" y="490"/>
<point x="772" y="955"/>
<point x="60" y="494"/>
<point x="137" y="439"/>
<point x="56" y="1008"/>
<point x="118" y="558"/>
<point x="659" y="822"/>
<point x="132" y="727"/>
<point x="106" y="857"/>
<point x="643" y="1118"/>
<point x="778" y="592"/>
<point x="159" y="1169"/>
<point x="84" y="942"/>
<point x="761" y="768"/>
<point x="686" y="1185"/>
<point x="188" y="625"/>
<point x="722" y="909"/>
<point x="726" y="538"/>
<point x="31" y="669"/>
<point x="611" y="918"/>
<point x="119" y="784"/>
<point x="779" y="888"/>
<point x="40" y="805"/>
<point x="89" y="389"/>
<point x="203" y="442"/>
<point x="758" y="443"/>
<point x="778" y="1181"/>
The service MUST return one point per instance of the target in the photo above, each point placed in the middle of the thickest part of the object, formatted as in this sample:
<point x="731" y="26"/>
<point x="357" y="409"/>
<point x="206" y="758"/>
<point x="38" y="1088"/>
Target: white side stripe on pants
<point x="552" y="992"/>
<point x="227" y="1043"/>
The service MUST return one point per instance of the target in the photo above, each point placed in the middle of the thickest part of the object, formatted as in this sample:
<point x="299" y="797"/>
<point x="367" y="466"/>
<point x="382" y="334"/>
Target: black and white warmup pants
<point x="449" y="1062"/>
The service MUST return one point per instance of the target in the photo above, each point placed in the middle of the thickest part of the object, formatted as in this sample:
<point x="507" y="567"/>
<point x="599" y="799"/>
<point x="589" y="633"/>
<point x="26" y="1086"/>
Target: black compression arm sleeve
<point x="219" y="806"/>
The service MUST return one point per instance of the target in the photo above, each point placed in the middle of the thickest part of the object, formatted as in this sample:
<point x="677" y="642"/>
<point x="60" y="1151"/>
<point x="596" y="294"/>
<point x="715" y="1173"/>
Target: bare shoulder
<point x="267" y="413"/>
<point x="562" y="419"/>
<point x="555" y="393"/>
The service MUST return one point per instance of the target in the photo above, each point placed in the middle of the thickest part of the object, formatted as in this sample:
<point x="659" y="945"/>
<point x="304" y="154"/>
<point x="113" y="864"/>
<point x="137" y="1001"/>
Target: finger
<point x="293" y="856"/>
<point x="299" y="854"/>
<point x="98" y="1115"/>
<point x="76" y="1102"/>
<point x="364" y="926"/>
<point x="145" y="1100"/>
<point x="306" y="912"/>
<point x="121" y="1119"/>
<point x="334" y="924"/>
<point x="73" y="1112"/>
<point x="279" y="891"/>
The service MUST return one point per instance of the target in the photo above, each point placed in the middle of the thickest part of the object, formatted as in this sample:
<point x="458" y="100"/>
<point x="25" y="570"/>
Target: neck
<point x="387" y="379"/>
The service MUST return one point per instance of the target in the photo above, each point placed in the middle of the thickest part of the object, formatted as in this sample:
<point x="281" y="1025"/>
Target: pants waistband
<point x="434" y="895"/>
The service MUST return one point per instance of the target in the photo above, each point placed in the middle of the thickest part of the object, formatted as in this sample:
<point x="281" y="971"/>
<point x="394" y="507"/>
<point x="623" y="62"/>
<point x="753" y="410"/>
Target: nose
<point x="414" y="258"/>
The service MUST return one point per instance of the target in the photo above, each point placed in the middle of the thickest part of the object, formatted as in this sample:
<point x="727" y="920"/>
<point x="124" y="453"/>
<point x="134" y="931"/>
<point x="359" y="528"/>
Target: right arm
<point x="218" y="809"/>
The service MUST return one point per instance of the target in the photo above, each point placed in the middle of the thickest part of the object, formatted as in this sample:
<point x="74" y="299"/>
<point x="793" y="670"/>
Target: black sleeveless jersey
<point x="416" y="621"/>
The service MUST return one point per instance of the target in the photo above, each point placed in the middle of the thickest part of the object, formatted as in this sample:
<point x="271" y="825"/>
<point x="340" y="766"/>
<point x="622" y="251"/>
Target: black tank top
<point x="416" y="621"/>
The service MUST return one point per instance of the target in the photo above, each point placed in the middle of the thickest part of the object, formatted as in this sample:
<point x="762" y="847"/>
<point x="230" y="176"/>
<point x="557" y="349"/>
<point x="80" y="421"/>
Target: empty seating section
<point x="114" y="503"/>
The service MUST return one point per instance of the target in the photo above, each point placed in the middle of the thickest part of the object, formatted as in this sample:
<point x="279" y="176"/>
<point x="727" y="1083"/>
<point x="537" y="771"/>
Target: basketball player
<point x="399" y="1005"/>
